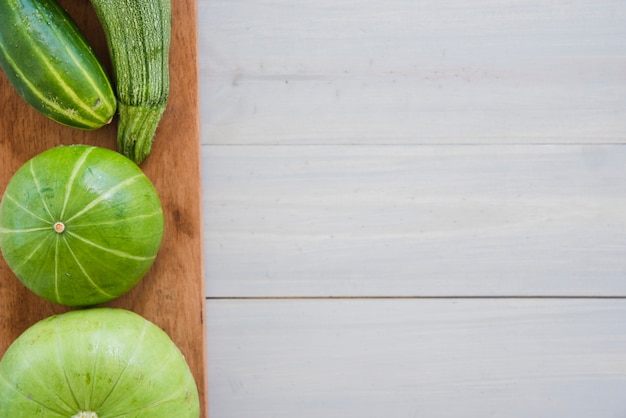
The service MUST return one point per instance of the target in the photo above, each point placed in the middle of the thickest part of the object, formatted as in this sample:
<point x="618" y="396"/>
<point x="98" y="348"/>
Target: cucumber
<point x="138" y="34"/>
<point x="47" y="59"/>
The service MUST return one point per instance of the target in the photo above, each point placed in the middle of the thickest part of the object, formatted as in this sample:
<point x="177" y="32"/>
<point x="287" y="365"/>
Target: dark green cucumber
<point x="138" y="35"/>
<point x="47" y="59"/>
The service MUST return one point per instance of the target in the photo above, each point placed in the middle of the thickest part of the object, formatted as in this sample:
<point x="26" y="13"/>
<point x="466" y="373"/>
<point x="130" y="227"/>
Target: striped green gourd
<point x="80" y="225"/>
<point x="138" y="34"/>
<point x="96" y="363"/>
<point x="49" y="62"/>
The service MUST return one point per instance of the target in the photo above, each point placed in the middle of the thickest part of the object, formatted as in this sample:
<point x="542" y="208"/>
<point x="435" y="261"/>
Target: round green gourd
<point x="80" y="225"/>
<point x="96" y="363"/>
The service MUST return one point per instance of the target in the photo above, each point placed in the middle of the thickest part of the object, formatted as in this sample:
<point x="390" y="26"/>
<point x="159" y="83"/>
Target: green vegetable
<point x="80" y="225"/>
<point x="96" y="363"/>
<point x="138" y="36"/>
<point x="48" y="61"/>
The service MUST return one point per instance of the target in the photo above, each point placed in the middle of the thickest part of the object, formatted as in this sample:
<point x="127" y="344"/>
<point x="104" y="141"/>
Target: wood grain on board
<point x="172" y="293"/>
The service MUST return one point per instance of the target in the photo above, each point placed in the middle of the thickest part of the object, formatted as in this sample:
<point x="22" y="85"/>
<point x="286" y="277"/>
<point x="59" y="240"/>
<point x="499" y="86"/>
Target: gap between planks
<point x="209" y="298"/>
<point x="488" y="142"/>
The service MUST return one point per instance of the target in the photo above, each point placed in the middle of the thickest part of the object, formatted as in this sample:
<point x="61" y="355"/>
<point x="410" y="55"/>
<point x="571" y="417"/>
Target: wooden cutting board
<point x="172" y="294"/>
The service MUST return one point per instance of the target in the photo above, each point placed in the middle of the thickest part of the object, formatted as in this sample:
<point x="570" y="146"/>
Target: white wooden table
<point x="414" y="208"/>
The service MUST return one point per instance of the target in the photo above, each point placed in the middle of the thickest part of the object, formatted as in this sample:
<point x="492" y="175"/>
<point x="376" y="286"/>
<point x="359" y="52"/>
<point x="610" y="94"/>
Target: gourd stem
<point x="86" y="414"/>
<point x="59" y="227"/>
<point x="137" y="125"/>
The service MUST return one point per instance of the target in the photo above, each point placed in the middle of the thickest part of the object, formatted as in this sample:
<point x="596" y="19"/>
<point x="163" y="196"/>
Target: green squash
<point x="80" y="225"/>
<point x="96" y="363"/>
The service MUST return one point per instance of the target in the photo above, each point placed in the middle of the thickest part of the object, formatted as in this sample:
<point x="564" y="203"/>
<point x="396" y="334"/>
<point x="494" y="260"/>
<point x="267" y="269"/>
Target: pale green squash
<point x="96" y="363"/>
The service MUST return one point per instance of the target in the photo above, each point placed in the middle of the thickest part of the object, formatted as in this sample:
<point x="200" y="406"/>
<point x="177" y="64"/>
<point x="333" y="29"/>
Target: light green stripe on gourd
<point x="104" y="196"/>
<point x="118" y="221"/>
<point x="39" y="245"/>
<point x="50" y="64"/>
<point x="138" y="34"/>
<point x="33" y="214"/>
<point x="23" y="230"/>
<point x="57" y="276"/>
<point x="80" y="162"/>
<point x="40" y="193"/>
<point x="30" y="405"/>
<point x="113" y="251"/>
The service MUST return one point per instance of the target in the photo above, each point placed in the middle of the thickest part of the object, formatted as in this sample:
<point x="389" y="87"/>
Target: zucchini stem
<point x="136" y="128"/>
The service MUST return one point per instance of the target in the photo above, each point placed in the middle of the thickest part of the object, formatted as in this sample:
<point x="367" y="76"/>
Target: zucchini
<point x="47" y="59"/>
<point x="138" y="34"/>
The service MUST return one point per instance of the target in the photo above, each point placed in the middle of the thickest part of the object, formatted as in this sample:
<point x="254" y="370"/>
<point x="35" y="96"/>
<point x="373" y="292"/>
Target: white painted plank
<point x="422" y="220"/>
<point x="405" y="71"/>
<point x="406" y="110"/>
<point x="417" y="358"/>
